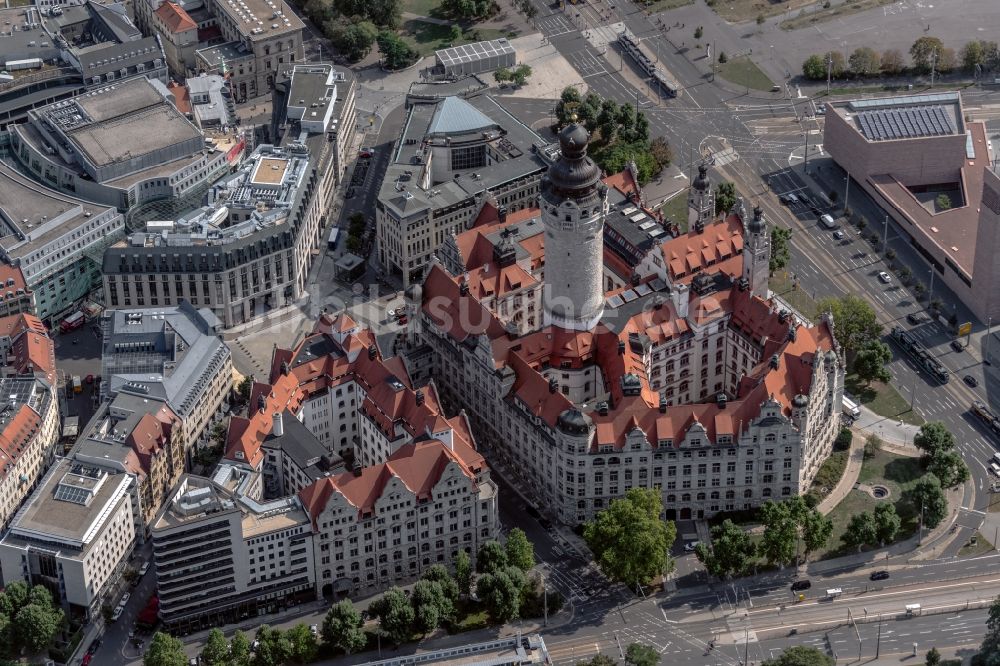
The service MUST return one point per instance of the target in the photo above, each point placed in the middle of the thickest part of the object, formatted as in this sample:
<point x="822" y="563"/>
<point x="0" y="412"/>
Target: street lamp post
<point x="930" y="292"/>
<point x="847" y="190"/>
<point x="885" y="233"/>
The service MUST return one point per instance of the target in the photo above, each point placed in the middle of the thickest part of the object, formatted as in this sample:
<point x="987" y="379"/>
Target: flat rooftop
<point x="261" y="19"/>
<point x="118" y="100"/>
<point x="71" y="499"/>
<point x="269" y="171"/>
<point x="953" y="231"/>
<point x="130" y="136"/>
<point x="905" y="117"/>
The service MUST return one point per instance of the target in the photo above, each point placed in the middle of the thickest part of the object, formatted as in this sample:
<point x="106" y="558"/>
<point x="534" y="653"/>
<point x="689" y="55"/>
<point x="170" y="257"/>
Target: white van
<point x="851" y="408"/>
<point x="834" y="592"/>
<point x="828" y="221"/>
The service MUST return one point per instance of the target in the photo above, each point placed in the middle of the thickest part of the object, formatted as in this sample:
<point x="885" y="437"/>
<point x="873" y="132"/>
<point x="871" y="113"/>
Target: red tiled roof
<point x="11" y="279"/>
<point x="182" y="98"/>
<point x="16" y="435"/>
<point x="692" y="252"/>
<point x="175" y="18"/>
<point x="491" y="280"/>
<point x="33" y="352"/>
<point x="418" y="466"/>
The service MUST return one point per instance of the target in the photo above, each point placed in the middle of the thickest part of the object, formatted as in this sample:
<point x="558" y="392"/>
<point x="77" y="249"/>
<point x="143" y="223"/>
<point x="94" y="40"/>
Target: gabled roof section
<point x="175" y="18"/>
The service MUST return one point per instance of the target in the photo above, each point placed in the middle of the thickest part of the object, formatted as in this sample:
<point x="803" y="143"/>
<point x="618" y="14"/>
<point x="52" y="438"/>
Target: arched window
<point x="748" y="492"/>
<point x="701" y="496"/>
<point x="686" y="497"/>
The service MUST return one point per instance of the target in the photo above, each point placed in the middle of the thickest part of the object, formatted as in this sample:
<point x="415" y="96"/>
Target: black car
<point x="957" y="345"/>
<point x="879" y="575"/>
<point x="783" y="198"/>
<point x="800" y="585"/>
<point x="94" y="646"/>
<point x="971" y="381"/>
<point x="916" y="318"/>
<point x="545" y="522"/>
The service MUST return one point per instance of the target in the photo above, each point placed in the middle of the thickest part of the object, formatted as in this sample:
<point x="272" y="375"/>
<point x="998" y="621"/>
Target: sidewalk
<point x="896" y="436"/>
<point x="855" y="457"/>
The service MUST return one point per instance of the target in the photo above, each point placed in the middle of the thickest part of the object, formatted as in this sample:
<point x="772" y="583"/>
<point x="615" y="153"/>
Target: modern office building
<point x="453" y="156"/>
<point x="79" y="46"/>
<point x="74" y="536"/>
<point x="222" y="557"/>
<point x="931" y="171"/>
<point x="248" y="251"/>
<point x="51" y="245"/>
<point x="123" y="145"/>
<point x="168" y="357"/>
<point x="691" y="379"/>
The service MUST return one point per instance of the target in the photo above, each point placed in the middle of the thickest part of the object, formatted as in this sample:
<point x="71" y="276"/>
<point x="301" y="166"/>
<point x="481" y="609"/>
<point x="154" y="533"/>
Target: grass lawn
<point x="676" y="210"/>
<point x="807" y="18"/>
<point x="781" y="284"/>
<point x="743" y="72"/>
<point x="898" y="474"/>
<point x="421" y="7"/>
<point x="737" y="11"/>
<point x="657" y="6"/>
<point x="883" y="399"/>
<point x="426" y="37"/>
<point x="982" y="546"/>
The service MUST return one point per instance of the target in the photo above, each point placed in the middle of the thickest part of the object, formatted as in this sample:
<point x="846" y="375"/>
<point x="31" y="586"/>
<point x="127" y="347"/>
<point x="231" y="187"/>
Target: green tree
<point x="698" y="32"/>
<point x="521" y="74"/>
<point x="342" y="627"/>
<point x="973" y="53"/>
<point x="723" y="58"/>
<point x="871" y="361"/>
<point x="216" y="650"/>
<point x="925" y="51"/>
<point x="661" y="151"/>
<point x="598" y="660"/>
<point x="463" y="572"/>
<point x="568" y="102"/>
<point x="520" y="551"/>
<point x="861" y="531"/>
<point x="607" y="120"/>
<point x="947" y="60"/>
<point x="491" y="557"/>
<point x="934" y="437"/>
<point x="629" y="540"/>
<point x="732" y="551"/>
<point x="243" y="388"/>
<point x="354" y="41"/>
<point x="455" y="33"/>
<point x="302" y="646"/>
<point x="943" y="202"/>
<point x="865" y="61"/>
<point x="892" y="62"/>
<point x="439" y="574"/>
<point x="854" y="321"/>
<point x="639" y="654"/>
<point x="725" y="197"/>
<point x="780" y="249"/>
<point x="948" y="467"/>
<point x="589" y="110"/>
<point x="396" y="615"/>
<point x="816" y="530"/>
<point x="989" y="651"/>
<point x="927" y="497"/>
<point x="502" y="75"/>
<point x="28" y="618"/>
<point x="396" y="54"/>
<point x="501" y="592"/>
<point x="239" y="649"/>
<point x="887" y="523"/>
<point x="873" y="444"/>
<point x="836" y="62"/>
<point x="814" y="67"/>
<point x="164" y="650"/>
<point x="780" y="538"/>
<point x="801" y="655"/>
<point x="383" y="13"/>
<point x="431" y="605"/>
<point x="933" y="657"/>
<point x="273" y="647"/>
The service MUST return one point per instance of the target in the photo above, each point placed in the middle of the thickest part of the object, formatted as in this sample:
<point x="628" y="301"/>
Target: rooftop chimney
<point x="663" y="404"/>
<point x="621" y="347"/>
<point x="720" y="400"/>
<point x="775" y="361"/>
<point x="372" y="352"/>
<point x="553" y="385"/>
<point x="419" y="398"/>
<point x="463" y="288"/>
<point x="277" y="425"/>
<point x="602" y="408"/>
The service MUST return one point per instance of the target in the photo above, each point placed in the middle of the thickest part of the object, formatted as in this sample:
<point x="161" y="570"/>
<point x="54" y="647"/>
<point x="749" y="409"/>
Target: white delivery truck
<point x="851" y="408"/>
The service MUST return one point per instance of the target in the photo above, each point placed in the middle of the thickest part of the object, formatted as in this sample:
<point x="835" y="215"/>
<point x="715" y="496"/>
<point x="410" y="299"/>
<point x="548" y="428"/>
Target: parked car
<point x="884" y="277"/>
<point x="94" y="646"/>
<point x="838" y="235"/>
<point x="144" y="568"/>
<point x="800" y="585"/>
<point x="314" y="630"/>
<point x="117" y="613"/>
<point x="86" y="660"/>
<point x="971" y="381"/>
<point x="879" y="575"/>
<point x="957" y="346"/>
<point x="690" y="546"/>
<point x="124" y="599"/>
<point x="916" y="318"/>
